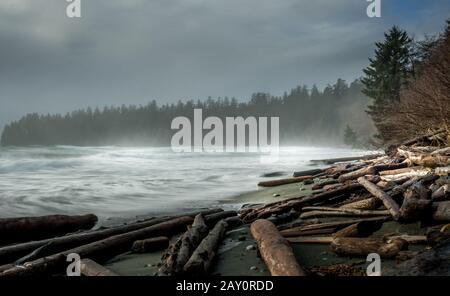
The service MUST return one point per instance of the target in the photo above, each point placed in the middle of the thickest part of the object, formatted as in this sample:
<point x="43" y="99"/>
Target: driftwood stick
<point x="328" y="225"/>
<point x="275" y="250"/>
<point x="388" y="202"/>
<point x="343" y="213"/>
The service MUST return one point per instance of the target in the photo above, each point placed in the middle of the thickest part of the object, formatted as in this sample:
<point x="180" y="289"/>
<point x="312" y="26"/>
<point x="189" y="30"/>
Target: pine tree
<point x="387" y="74"/>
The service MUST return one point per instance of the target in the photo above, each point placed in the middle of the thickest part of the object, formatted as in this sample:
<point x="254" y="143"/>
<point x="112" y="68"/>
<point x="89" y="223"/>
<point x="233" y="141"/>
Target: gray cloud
<point x="137" y="50"/>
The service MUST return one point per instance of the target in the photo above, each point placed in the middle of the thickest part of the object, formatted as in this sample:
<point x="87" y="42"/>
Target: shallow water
<point x="117" y="181"/>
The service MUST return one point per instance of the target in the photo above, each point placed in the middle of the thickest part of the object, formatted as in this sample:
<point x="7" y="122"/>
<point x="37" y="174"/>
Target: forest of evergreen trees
<point x="307" y="116"/>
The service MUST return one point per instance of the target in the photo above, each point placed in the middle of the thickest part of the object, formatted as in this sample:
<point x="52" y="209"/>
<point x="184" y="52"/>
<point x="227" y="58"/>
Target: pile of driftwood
<point x="410" y="185"/>
<point x="42" y="245"/>
<point x="351" y="200"/>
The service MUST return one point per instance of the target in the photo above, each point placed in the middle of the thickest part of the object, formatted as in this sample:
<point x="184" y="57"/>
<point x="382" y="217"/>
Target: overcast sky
<point x="133" y="51"/>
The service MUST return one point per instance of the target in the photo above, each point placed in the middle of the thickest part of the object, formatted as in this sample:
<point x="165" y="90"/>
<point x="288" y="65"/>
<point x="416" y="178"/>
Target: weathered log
<point x="89" y="267"/>
<point x="416" y="202"/>
<point x="279" y="182"/>
<point x="178" y="253"/>
<point x="150" y="245"/>
<point x="212" y="219"/>
<point x="403" y="171"/>
<point x="275" y="250"/>
<point x="316" y="214"/>
<point x="13" y="230"/>
<point x="99" y="251"/>
<point x="324" y="183"/>
<point x="308" y="173"/>
<point x="388" y="202"/>
<point x="441" y="211"/>
<point x="409" y="175"/>
<point x="310" y="240"/>
<point x="442" y="193"/>
<point x="9" y="254"/>
<point x="426" y="159"/>
<point x="371" y="203"/>
<point x="370" y="170"/>
<point x="203" y="256"/>
<point x="329" y="225"/>
<point x="351" y="246"/>
<point x="296" y="233"/>
<point x="346" y="159"/>
<point x="442" y="171"/>
<point x="233" y="221"/>
<point x="360" y="229"/>
<point x="411" y="239"/>
<point x="296" y="203"/>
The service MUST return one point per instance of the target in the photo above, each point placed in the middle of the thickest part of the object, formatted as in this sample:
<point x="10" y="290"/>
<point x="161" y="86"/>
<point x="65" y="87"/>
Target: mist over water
<point x="113" y="181"/>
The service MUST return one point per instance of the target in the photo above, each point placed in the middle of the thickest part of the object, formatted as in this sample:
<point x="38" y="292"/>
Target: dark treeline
<point x="306" y="115"/>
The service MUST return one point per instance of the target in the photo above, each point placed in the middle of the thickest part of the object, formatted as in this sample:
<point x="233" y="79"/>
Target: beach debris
<point x="202" y="258"/>
<point x="361" y="247"/>
<point x="13" y="230"/>
<point x="275" y="250"/>
<point x="99" y="251"/>
<point x="178" y="253"/>
<point x="279" y="182"/>
<point x="150" y="245"/>
<point x="89" y="267"/>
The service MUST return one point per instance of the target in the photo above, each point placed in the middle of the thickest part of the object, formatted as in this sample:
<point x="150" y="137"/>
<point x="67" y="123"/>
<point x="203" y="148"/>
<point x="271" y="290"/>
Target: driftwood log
<point x="279" y="182"/>
<point x="22" y="229"/>
<point x="360" y="229"/>
<point x="312" y="172"/>
<point x="441" y="211"/>
<point x="371" y="203"/>
<point x="350" y="246"/>
<point x="298" y="231"/>
<point x="99" y="251"/>
<point x="201" y="260"/>
<point x="388" y="202"/>
<point x="150" y="245"/>
<point x="275" y="250"/>
<point x="268" y="210"/>
<point x="178" y="253"/>
<point x="89" y="267"/>
<point x="416" y="202"/>
<point x="9" y="254"/>
<point x="346" y="159"/>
